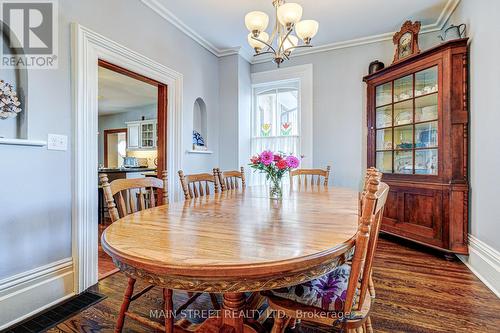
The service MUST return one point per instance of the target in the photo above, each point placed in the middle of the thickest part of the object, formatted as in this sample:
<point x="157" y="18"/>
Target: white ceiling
<point x="219" y="24"/>
<point x="119" y="93"/>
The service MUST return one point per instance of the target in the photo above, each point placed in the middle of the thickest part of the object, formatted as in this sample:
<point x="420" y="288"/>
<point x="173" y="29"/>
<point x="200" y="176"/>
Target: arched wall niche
<point x="200" y="123"/>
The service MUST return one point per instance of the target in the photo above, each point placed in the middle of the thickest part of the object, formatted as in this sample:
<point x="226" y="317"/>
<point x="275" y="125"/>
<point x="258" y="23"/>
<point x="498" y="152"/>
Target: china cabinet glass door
<point x="406" y="124"/>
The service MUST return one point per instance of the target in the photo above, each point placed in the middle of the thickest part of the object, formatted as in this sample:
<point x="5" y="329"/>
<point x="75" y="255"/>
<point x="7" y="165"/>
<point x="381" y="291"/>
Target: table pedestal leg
<point x="232" y="312"/>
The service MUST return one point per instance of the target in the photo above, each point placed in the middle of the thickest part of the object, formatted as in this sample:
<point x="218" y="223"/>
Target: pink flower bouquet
<point x="275" y="166"/>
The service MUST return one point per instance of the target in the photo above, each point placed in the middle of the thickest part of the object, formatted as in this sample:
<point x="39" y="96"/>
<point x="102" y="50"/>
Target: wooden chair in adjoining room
<point x="349" y="307"/>
<point x="198" y="185"/>
<point x="231" y="180"/>
<point x="133" y="195"/>
<point x="310" y="176"/>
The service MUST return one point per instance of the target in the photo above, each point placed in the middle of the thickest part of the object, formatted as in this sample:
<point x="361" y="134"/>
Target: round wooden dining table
<point x="235" y="242"/>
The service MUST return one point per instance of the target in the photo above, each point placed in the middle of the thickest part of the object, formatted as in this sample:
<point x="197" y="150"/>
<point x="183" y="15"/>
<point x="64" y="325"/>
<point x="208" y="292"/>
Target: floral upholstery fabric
<point x="350" y="254"/>
<point x="327" y="292"/>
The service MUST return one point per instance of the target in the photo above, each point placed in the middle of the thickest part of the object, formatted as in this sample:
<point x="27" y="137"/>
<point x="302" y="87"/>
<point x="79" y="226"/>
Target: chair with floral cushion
<point x="310" y="176"/>
<point x="343" y="297"/>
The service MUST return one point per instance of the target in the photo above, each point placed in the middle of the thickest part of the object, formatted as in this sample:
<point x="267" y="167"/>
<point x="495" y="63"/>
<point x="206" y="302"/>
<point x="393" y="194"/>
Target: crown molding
<point x="236" y="51"/>
<point x="161" y="10"/>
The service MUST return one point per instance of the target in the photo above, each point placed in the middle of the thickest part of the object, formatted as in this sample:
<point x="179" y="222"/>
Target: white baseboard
<point x="28" y="293"/>
<point x="484" y="262"/>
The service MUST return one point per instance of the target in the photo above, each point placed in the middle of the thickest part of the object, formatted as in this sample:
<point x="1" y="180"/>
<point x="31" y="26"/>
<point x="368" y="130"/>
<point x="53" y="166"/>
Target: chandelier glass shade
<point x="287" y="31"/>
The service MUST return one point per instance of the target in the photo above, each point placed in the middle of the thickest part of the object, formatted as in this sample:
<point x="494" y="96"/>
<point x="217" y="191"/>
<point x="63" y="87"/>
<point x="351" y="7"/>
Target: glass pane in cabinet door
<point x="383" y="94"/>
<point x="384" y="161"/>
<point x="403" y="88"/>
<point x="403" y="113"/>
<point x="426" y="135"/>
<point x="384" y="139"/>
<point x="403" y="161"/>
<point x="403" y="137"/>
<point x="426" y="162"/>
<point x="426" y="108"/>
<point x="384" y="117"/>
<point x="426" y="81"/>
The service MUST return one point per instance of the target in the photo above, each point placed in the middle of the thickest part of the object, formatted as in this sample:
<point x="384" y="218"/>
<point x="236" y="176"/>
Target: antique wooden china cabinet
<point x="418" y="136"/>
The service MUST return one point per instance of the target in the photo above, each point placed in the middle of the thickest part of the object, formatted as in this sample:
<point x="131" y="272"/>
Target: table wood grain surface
<point x="236" y="241"/>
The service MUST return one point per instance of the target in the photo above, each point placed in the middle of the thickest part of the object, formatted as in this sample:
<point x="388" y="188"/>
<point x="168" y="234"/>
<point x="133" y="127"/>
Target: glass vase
<point x="275" y="189"/>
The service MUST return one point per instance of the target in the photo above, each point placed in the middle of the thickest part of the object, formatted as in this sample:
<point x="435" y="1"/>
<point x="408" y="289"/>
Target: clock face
<point x="405" y="43"/>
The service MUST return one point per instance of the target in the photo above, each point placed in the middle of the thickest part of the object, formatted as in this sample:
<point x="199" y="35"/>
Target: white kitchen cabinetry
<point x="142" y="134"/>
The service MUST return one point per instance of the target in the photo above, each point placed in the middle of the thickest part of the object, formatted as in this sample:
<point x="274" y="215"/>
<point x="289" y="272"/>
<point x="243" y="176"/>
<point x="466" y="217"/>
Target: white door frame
<point x="87" y="47"/>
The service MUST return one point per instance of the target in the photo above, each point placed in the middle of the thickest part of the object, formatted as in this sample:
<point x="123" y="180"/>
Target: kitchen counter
<point x="124" y="170"/>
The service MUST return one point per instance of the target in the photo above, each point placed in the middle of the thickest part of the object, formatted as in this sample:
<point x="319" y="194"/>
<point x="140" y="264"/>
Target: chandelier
<point x="282" y="41"/>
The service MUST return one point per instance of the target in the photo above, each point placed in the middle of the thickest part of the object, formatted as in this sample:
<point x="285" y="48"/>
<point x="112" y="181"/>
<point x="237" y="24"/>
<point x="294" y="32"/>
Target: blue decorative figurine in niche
<point x="198" y="139"/>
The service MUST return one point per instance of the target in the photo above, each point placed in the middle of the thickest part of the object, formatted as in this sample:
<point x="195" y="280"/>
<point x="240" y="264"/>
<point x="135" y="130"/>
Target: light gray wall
<point x="235" y="94"/>
<point x="35" y="191"/>
<point x="483" y="28"/>
<point x="339" y="104"/>
<point x="118" y="121"/>
<point x="228" y="103"/>
<point x="244" y="112"/>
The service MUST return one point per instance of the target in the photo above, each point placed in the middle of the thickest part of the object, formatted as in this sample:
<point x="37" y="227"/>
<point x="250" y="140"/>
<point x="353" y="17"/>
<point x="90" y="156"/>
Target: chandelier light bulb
<point x="289" y="14"/>
<point x="255" y="44"/>
<point x="306" y="30"/>
<point x="256" y="22"/>
<point x="289" y="42"/>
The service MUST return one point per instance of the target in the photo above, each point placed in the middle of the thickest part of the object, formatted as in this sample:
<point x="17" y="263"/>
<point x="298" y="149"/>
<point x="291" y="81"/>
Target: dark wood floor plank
<point x="418" y="291"/>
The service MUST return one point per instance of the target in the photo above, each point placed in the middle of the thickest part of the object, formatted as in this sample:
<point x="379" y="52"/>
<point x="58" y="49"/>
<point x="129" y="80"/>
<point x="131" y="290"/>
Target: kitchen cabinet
<point x="142" y="135"/>
<point x="133" y="130"/>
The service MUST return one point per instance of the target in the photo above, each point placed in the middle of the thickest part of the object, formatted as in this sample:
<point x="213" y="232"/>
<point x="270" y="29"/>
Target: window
<point x="276" y="119"/>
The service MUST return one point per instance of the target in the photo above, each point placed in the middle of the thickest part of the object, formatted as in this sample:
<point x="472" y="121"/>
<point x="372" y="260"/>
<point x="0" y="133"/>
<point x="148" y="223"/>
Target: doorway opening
<point x="131" y="135"/>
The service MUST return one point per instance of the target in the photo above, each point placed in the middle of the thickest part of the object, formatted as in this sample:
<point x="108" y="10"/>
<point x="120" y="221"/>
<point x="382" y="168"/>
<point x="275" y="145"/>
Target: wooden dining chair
<point x="348" y="307"/>
<point x="133" y="195"/>
<point x="310" y="176"/>
<point x="127" y="196"/>
<point x="369" y="172"/>
<point x="198" y="185"/>
<point x="231" y="180"/>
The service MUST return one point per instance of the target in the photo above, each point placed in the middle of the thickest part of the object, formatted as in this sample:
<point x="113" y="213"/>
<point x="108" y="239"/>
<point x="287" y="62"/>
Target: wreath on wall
<point x="9" y="103"/>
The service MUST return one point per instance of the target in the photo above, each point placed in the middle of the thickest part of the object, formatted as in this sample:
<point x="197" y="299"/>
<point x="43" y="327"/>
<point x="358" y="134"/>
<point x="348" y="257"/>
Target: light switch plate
<point x="57" y="142"/>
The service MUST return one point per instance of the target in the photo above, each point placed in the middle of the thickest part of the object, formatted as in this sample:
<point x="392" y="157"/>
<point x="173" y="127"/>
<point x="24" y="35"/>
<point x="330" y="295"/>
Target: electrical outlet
<point x="57" y="142"/>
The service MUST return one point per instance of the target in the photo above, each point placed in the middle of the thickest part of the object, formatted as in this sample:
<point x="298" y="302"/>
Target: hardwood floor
<point x="417" y="291"/>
